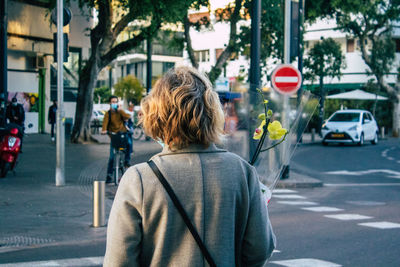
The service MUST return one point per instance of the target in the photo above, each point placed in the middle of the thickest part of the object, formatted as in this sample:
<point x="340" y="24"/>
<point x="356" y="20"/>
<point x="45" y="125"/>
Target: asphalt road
<point x="354" y="220"/>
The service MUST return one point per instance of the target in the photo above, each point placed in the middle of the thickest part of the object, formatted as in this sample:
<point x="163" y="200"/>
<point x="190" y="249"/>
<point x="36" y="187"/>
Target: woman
<point x="218" y="190"/>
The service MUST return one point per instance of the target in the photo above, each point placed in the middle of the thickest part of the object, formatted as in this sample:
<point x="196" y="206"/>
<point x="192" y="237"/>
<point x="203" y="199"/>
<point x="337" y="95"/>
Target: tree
<point x="325" y="59"/>
<point x="371" y="23"/>
<point x="102" y="94"/>
<point x="113" y="18"/>
<point x="232" y="14"/>
<point x="130" y="89"/>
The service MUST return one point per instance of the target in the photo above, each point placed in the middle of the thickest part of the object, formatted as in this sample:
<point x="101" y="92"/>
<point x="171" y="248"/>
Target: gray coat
<point x="220" y="193"/>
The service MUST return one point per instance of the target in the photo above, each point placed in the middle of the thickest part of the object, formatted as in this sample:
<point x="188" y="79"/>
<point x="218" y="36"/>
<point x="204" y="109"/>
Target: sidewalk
<point x="34" y="212"/>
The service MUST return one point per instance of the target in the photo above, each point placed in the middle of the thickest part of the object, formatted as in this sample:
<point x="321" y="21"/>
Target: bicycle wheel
<point x="137" y="133"/>
<point x="116" y="167"/>
<point x="119" y="167"/>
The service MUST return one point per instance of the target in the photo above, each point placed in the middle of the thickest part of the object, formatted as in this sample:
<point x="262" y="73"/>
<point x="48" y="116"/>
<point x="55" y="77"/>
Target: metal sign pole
<point x="285" y="115"/>
<point x="3" y="63"/>
<point x="60" y="165"/>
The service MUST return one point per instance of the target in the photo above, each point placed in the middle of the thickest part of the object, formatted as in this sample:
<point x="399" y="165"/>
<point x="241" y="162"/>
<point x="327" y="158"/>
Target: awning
<point x="357" y="94"/>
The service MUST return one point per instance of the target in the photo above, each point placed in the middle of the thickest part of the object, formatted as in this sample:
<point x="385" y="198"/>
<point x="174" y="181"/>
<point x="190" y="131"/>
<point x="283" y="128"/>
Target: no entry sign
<point x="286" y="79"/>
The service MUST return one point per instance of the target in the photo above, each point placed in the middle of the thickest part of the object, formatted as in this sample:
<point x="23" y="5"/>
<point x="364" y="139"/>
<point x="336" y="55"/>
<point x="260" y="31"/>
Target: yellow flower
<point x="265" y="101"/>
<point x="259" y="131"/>
<point x="261" y="116"/>
<point x="276" y="131"/>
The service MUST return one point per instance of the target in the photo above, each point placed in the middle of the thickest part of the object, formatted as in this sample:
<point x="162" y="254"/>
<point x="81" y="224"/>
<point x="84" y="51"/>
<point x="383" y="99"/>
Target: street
<point x="353" y="220"/>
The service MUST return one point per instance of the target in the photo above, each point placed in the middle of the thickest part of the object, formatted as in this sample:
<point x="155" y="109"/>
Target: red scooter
<point x="9" y="150"/>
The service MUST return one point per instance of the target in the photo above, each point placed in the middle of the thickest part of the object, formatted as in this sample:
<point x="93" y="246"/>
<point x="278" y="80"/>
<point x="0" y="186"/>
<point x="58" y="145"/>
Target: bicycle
<point x="118" y="143"/>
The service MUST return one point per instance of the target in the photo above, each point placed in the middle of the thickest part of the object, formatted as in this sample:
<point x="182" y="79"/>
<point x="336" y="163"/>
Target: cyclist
<point x="114" y="122"/>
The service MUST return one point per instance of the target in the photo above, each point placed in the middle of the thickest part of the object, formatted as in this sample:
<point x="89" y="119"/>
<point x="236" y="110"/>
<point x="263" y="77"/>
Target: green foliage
<point x="325" y="59"/>
<point x="271" y="30"/>
<point x="371" y="21"/>
<point x="103" y="92"/>
<point x="130" y="89"/>
<point x="318" y="8"/>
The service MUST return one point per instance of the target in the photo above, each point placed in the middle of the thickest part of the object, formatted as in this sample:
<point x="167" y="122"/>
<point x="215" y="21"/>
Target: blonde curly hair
<point x="182" y="109"/>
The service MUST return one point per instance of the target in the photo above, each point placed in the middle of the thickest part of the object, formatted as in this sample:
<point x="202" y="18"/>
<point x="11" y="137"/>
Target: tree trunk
<point x="188" y="40"/>
<point x="396" y="117"/>
<point x="84" y="102"/>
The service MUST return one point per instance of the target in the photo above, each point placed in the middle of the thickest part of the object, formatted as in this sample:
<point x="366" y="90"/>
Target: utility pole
<point x="60" y="165"/>
<point x="300" y="58"/>
<point x="285" y="115"/>
<point x="3" y="62"/>
<point x="148" y="65"/>
<point x="254" y="72"/>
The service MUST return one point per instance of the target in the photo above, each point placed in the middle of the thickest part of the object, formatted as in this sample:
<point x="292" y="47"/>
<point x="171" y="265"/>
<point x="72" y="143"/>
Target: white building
<point x="355" y="74"/>
<point x="209" y="43"/>
<point x="32" y="74"/>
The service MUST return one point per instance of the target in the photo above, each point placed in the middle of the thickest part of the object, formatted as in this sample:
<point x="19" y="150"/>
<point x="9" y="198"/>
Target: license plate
<point x="338" y="135"/>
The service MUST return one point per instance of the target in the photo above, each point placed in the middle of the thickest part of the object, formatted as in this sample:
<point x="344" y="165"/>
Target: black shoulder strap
<point x="182" y="212"/>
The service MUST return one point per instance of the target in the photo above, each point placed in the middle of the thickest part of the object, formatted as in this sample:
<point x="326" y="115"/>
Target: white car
<point x="98" y="115"/>
<point x="350" y="126"/>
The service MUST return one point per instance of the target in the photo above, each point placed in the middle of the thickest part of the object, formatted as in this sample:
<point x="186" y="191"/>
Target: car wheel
<point x="361" y="140"/>
<point x="324" y="143"/>
<point x="375" y="140"/>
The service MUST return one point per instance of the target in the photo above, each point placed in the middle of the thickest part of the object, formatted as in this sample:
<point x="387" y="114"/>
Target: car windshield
<point x="346" y="117"/>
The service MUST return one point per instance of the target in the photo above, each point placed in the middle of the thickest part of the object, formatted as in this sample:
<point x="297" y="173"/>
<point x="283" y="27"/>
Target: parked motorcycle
<point x="9" y="150"/>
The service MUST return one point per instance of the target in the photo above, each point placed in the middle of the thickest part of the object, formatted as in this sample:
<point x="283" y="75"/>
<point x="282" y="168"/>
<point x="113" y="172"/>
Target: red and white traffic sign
<point x="286" y="79"/>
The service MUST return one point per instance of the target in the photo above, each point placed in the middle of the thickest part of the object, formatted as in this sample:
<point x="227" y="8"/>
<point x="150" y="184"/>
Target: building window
<point x="202" y="55"/>
<point x="350" y="45"/>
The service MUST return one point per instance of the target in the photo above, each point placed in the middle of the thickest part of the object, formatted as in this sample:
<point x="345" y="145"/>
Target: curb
<point x="53" y="244"/>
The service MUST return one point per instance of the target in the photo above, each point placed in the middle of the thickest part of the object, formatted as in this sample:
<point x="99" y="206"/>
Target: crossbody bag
<point x="182" y="212"/>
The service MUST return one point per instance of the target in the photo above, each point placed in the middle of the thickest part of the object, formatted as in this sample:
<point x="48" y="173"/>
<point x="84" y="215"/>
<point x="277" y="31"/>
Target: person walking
<point x="218" y="191"/>
<point x="52" y="118"/>
<point x="114" y="122"/>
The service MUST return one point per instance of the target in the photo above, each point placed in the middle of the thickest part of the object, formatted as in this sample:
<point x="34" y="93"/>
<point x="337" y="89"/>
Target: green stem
<point x="260" y="144"/>
<point x="268" y="148"/>
<point x="265" y="131"/>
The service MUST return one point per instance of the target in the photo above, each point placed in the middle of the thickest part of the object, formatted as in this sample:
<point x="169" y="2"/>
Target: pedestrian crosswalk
<point x="291" y="197"/>
<point x="307" y="262"/>
<point x="75" y="262"/>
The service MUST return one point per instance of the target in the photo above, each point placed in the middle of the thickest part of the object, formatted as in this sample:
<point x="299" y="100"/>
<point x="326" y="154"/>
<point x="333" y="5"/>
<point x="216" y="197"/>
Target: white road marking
<point x="286" y="79"/>
<point x="361" y="184"/>
<point x="322" y="209"/>
<point x="75" y="262"/>
<point x="366" y="203"/>
<point x="398" y="161"/>
<point x="381" y="225"/>
<point x="391" y="173"/>
<point x="390" y="158"/>
<point x="283" y="191"/>
<point x="298" y="203"/>
<point x="348" y="217"/>
<point x="276" y="251"/>
<point x="289" y="196"/>
<point x="306" y="263"/>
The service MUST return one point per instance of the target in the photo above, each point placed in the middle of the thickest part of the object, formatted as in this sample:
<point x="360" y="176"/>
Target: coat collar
<point x="192" y="148"/>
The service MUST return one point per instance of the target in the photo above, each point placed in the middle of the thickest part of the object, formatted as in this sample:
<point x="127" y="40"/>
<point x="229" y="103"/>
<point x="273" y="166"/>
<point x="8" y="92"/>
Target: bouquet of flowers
<point x="264" y="128"/>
